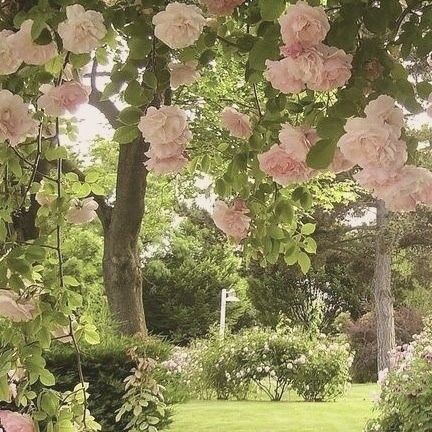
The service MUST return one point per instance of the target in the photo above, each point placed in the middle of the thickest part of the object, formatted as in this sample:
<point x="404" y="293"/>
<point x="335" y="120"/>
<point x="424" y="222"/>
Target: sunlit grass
<point x="348" y="414"/>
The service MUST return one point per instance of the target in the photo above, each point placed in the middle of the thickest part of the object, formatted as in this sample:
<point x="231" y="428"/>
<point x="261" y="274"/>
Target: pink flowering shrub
<point x="406" y="391"/>
<point x="271" y="362"/>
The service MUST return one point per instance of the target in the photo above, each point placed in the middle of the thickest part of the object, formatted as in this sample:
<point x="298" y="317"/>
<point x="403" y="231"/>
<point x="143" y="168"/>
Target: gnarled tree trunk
<point x="382" y="292"/>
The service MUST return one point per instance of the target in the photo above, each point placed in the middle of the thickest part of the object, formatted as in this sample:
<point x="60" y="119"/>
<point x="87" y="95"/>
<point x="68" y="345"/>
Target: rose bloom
<point x="233" y="220"/>
<point x="412" y="187"/>
<point x="164" y="125"/>
<point x="168" y="165"/>
<point x="236" y="123"/>
<point x="66" y="98"/>
<point x="15" y="422"/>
<point x="284" y="75"/>
<point x="377" y="181"/>
<point x="340" y="163"/>
<point x="29" y="51"/>
<point x="304" y="24"/>
<point x="370" y="143"/>
<point x="283" y="166"/>
<point x="183" y="73"/>
<point x="179" y="25"/>
<point x="82" y="211"/>
<point x="9" y="59"/>
<point x="62" y="334"/>
<point x="15" y="308"/>
<point x="15" y="121"/>
<point x="44" y="200"/>
<point x="384" y="108"/>
<point x="297" y="140"/>
<point x="335" y="70"/>
<point x="83" y="31"/>
<point x="221" y="7"/>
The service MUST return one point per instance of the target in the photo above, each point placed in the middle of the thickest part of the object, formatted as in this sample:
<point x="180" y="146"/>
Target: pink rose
<point x="29" y="51"/>
<point x="283" y="166"/>
<point x="183" y="73"/>
<point x="221" y="7"/>
<point x="16" y="308"/>
<point x="83" y="31"/>
<point x="340" y="163"/>
<point x="233" y="221"/>
<point x="384" y="109"/>
<point x="57" y="101"/>
<point x="335" y="70"/>
<point x="284" y="75"/>
<point x="167" y="165"/>
<point x="412" y="187"/>
<point x="164" y="125"/>
<point x="15" y="422"/>
<point x="82" y="211"/>
<point x="370" y="143"/>
<point x="236" y="123"/>
<point x="179" y="25"/>
<point x="304" y="24"/>
<point x="377" y="181"/>
<point x="16" y="124"/>
<point x="9" y="59"/>
<point x="62" y="334"/>
<point x="297" y="140"/>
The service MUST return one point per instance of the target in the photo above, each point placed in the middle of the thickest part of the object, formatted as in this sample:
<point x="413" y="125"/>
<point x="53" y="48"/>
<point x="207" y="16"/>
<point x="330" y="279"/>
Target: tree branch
<point x="106" y="107"/>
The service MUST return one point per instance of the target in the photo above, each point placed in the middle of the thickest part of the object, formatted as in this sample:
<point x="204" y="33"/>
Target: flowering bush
<point x="406" y="394"/>
<point x="272" y="361"/>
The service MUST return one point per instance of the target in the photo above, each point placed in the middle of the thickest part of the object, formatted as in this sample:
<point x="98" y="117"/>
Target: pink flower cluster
<point x="82" y="211"/>
<point x="286" y="162"/>
<point x="236" y="123"/>
<point x="15" y="422"/>
<point x="307" y="62"/>
<point x="234" y="220"/>
<point x="221" y="7"/>
<point x="167" y="130"/>
<point x="374" y="144"/>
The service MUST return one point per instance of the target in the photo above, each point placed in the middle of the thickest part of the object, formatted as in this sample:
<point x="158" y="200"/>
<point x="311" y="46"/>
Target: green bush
<point x="271" y="362"/>
<point x="405" y="403"/>
<point x="325" y="373"/>
<point x="105" y="367"/>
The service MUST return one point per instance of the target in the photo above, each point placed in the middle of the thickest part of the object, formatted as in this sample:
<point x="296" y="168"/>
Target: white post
<point x="223" y="312"/>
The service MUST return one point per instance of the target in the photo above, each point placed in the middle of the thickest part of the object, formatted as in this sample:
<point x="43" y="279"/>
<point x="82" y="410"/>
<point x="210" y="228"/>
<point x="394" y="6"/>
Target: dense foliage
<point x="405" y="403"/>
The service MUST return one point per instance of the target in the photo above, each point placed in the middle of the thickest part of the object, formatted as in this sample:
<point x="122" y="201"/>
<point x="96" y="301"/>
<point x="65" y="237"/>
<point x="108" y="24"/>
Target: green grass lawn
<point x="347" y="414"/>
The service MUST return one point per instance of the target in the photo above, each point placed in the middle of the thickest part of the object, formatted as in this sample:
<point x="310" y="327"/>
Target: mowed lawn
<point x="347" y="414"/>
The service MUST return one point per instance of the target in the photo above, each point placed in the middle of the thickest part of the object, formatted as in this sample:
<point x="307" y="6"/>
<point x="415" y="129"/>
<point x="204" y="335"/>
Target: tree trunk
<point x="121" y="261"/>
<point x="382" y="292"/>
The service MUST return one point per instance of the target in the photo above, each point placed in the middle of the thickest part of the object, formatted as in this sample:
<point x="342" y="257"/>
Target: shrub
<point x="405" y="403"/>
<point x="362" y="337"/>
<point x="326" y="372"/>
<point x="271" y="361"/>
<point x="106" y="387"/>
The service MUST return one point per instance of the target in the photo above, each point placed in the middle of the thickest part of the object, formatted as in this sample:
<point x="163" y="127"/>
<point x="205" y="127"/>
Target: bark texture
<point x="382" y="292"/>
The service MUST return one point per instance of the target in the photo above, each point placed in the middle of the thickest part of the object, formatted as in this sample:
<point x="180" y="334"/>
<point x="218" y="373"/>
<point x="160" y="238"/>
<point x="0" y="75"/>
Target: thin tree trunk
<point x="121" y="261"/>
<point x="382" y="292"/>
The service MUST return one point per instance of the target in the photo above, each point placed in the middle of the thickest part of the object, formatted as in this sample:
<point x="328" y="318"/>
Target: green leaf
<point x="304" y="262"/>
<point x="330" y="127"/>
<point x="276" y="232"/>
<point x="310" y="245"/>
<point x="49" y="403"/>
<point x="262" y="50"/>
<point x="424" y="89"/>
<point x="376" y="20"/>
<point x="139" y="48"/>
<point x="80" y="60"/>
<point x="110" y="89"/>
<point x="126" y="134"/>
<point x="46" y="378"/>
<point x="308" y="229"/>
<point x="38" y="26"/>
<point x="150" y="80"/>
<point x="271" y="9"/>
<point x="134" y="94"/>
<point x="130" y="116"/>
<point x="321" y="154"/>
<point x="284" y="211"/>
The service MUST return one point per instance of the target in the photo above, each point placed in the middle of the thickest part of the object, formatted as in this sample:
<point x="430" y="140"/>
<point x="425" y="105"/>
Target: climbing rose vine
<point x="324" y="87"/>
